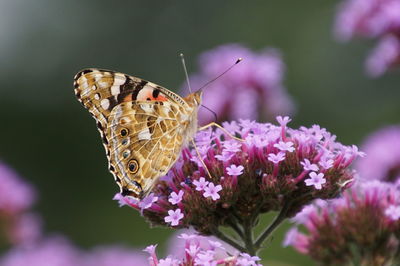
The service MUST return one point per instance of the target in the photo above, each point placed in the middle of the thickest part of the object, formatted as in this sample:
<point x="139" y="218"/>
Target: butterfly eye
<point x="124" y="132"/>
<point x="133" y="166"/>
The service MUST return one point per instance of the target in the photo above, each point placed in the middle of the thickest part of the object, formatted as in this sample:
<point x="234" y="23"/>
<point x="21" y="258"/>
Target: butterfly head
<point x="194" y="99"/>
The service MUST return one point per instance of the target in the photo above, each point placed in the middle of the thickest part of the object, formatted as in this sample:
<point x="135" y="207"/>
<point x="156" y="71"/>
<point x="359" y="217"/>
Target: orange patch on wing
<point x="127" y="98"/>
<point x="161" y="98"/>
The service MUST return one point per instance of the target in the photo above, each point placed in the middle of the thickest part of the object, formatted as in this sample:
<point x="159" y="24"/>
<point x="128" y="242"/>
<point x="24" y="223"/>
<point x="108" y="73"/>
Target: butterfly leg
<point x="220" y="127"/>
<point x="201" y="159"/>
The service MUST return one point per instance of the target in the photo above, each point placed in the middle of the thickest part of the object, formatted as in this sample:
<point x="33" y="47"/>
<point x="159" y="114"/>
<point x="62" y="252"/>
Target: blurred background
<point x="52" y="142"/>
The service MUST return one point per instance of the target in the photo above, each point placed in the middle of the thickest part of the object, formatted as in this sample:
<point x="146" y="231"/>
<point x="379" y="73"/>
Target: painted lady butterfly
<point x="143" y="126"/>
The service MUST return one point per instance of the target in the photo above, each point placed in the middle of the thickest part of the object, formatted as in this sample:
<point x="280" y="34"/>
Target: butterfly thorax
<point x="191" y="122"/>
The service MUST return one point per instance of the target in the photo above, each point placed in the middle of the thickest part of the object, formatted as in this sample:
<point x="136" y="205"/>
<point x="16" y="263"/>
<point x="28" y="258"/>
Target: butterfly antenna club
<point x="220" y="75"/>
<point x="185" y="70"/>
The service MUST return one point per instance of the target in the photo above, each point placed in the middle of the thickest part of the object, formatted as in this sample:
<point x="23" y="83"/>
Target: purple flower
<point x="212" y="191"/>
<point x="276" y="158"/>
<point x="176" y="198"/>
<point x="247" y="260"/>
<point x="168" y="262"/>
<point x="366" y="214"/>
<point x="205" y="258"/>
<point x="235" y="170"/>
<point x="283" y="121"/>
<point x="174" y="217"/>
<point x="147" y="202"/>
<point x="284" y="146"/>
<point x="307" y="165"/>
<point x="231" y="146"/>
<point x="224" y="156"/>
<point x="200" y="184"/>
<point x="373" y="19"/>
<point x="326" y="163"/>
<point x="393" y="212"/>
<point x="383" y="160"/>
<point x="316" y="180"/>
<point x="200" y="250"/>
<point x="255" y="84"/>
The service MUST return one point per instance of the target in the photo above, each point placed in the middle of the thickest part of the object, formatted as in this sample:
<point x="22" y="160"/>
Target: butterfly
<point x="143" y="126"/>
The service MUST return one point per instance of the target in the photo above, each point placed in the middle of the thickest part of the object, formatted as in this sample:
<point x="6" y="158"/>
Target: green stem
<point x="271" y="228"/>
<point x="248" y="237"/>
<point x="236" y="228"/>
<point x="228" y="240"/>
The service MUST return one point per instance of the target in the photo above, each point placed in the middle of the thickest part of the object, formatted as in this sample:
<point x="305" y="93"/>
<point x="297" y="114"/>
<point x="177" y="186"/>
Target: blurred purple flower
<point x="55" y="252"/>
<point x="25" y="229"/>
<point x="113" y="255"/>
<point x="16" y="195"/>
<point x="363" y="226"/>
<point x="249" y="184"/>
<point x="383" y="160"/>
<point x="252" y="89"/>
<point x="384" y="56"/>
<point x="372" y="19"/>
<point x="58" y="251"/>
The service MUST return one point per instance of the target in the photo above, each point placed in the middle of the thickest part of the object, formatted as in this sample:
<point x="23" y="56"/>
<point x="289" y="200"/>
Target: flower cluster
<point x="273" y="168"/>
<point x="383" y="160"/>
<point x="19" y="225"/>
<point x="255" y="84"/>
<point x="362" y="227"/>
<point x="199" y="250"/>
<point x="373" y="19"/>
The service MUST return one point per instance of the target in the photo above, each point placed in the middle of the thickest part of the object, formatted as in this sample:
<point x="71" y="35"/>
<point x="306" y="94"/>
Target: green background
<point x="52" y="141"/>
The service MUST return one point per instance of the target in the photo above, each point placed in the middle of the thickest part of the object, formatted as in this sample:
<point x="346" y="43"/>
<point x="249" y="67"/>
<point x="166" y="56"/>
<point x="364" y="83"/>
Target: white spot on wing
<point x="83" y="82"/>
<point x="105" y="103"/>
<point x="144" y="134"/>
<point x="119" y="80"/>
<point x="147" y="108"/>
<point x="97" y="76"/>
<point x="144" y="93"/>
<point x="115" y="90"/>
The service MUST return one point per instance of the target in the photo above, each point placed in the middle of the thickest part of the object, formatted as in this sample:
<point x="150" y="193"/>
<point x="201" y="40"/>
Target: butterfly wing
<point x="145" y="139"/>
<point x="143" y="125"/>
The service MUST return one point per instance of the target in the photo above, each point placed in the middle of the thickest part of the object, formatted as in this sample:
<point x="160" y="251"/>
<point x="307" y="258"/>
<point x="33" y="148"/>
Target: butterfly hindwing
<point x="144" y="139"/>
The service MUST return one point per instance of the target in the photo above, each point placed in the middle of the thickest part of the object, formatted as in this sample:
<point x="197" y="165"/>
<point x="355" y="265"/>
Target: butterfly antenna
<point x="186" y="73"/>
<point x="220" y="75"/>
<point x="214" y="113"/>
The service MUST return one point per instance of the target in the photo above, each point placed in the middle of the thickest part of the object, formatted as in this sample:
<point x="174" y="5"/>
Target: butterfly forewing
<point x="143" y="125"/>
